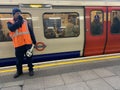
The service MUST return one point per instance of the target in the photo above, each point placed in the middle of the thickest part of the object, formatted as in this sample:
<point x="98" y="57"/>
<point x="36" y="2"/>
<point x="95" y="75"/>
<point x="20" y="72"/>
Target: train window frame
<point x="115" y="18"/>
<point x="63" y="27"/>
<point x="4" y="36"/>
<point x="102" y="22"/>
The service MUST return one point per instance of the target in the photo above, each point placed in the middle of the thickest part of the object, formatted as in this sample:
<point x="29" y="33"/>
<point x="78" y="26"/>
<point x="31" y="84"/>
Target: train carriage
<point x="63" y="29"/>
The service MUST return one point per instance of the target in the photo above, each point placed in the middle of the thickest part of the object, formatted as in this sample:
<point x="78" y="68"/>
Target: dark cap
<point x="96" y="17"/>
<point x="14" y="10"/>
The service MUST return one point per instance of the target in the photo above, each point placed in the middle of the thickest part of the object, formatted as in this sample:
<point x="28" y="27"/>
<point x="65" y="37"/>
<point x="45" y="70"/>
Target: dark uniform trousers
<point x="20" y="53"/>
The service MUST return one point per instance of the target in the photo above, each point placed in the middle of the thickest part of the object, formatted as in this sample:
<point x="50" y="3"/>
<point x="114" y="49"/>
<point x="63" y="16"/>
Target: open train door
<point x="113" y="42"/>
<point x="95" y="30"/>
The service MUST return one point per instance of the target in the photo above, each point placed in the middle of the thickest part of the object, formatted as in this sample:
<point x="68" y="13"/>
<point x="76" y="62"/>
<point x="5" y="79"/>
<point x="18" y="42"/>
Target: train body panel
<point x="58" y="47"/>
<point x="63" y="29"/>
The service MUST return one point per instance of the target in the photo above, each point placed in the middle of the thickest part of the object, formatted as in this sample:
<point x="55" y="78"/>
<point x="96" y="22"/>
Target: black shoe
<point x="17" y="74"/>
<point x="31" y="73"/>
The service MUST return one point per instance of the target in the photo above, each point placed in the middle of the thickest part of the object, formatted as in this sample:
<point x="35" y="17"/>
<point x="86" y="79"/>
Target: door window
<point x="96" y="23"/>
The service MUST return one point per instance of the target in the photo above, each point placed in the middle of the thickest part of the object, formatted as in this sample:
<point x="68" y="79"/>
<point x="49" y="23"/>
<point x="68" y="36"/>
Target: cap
<point x="14" y="10"/>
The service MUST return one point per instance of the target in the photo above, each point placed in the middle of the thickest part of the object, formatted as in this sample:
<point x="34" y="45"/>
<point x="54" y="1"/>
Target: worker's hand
<point x="35" y="45"/>
<point x="20" y="20"/>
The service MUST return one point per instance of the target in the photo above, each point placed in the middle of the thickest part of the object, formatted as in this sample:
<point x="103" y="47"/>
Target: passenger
<point x="69" y="31"/>
<point x="76" y="28"/>
<point x="55" y="29"/>
<point x="0" y="25"/>
<point x="58" y="31"/>
<point x="2" y="35"/>
<point x="22" y="36"/>
<point x="8" y="38"/>
<point x="115" y="27"/>
<point x="61" y="32"/>
<point x="96" y="26"/>
<point x="50" y="33"/>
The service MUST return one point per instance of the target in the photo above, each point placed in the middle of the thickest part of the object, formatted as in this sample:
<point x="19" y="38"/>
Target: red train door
<point x="113" y="42"/>
<point x="95" y="30"/>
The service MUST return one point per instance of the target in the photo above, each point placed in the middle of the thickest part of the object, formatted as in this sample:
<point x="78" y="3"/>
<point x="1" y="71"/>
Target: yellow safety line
<point x="46" y="65"/>
<point x="73" y="62"/>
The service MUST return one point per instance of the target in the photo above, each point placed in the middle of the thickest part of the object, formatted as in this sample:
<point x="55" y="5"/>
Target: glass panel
<point x="96" y="23"/>
<point x="60" y="25"/>
<point x="4" y="32"/>
<point x="115" y="22"/>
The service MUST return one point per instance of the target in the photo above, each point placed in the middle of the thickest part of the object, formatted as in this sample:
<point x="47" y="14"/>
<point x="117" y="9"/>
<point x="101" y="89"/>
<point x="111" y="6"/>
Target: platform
<point x="96" y="75"/>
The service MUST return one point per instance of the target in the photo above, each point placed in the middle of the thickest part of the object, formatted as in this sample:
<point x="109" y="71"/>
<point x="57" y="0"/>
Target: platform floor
<point x="88" y="76"/>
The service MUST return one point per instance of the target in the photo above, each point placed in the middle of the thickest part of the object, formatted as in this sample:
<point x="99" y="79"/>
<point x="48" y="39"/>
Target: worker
<point x="23" y="37"/>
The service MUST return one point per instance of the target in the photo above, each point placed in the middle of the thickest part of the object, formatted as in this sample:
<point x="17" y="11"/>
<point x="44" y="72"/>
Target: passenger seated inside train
<point x="1" y="32"/>
<point x="55" y="32"/>
<point x="49" y="33"/>
<point x="96" y="26"/>
<point x="59" y="31"/>
<point x="76" y="28"/>
<point x="70" y="28"/>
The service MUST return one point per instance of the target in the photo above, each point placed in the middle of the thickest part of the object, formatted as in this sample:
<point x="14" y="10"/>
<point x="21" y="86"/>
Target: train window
<point x="61" y="25"/>
<point x="4" y="32"/>
<point x="96" y="22"/>
<point x="115" y="22"/>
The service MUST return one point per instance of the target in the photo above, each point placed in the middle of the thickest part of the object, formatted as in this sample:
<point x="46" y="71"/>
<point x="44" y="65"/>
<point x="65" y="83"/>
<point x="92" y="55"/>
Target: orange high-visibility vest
<point x="21" y="36"/>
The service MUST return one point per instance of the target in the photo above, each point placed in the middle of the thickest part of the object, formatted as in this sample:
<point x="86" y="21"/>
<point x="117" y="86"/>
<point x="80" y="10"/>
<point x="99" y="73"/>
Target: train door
<point x="113" y="42"/>
<point x="95" y="30"/>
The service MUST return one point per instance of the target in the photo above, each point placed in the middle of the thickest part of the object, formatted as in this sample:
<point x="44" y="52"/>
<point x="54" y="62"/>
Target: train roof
<point x="63" y="2"/>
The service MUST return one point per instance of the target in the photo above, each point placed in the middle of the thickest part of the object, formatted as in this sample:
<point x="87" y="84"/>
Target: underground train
<point x="64" y="29"/>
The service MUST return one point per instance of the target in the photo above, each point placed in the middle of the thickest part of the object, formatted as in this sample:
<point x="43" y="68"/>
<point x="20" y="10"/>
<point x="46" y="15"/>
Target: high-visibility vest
<point x="21" y="36"/>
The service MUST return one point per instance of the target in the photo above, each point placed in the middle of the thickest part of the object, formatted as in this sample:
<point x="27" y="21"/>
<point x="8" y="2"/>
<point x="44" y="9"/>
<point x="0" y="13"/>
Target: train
<point x="63" y="29"/>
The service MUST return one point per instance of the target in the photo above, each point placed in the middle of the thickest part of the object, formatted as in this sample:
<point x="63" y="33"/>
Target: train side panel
<point x="45" y="20"/>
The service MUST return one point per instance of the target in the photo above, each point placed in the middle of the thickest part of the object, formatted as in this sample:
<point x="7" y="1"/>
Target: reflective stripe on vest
<point x="18" y="33"/>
